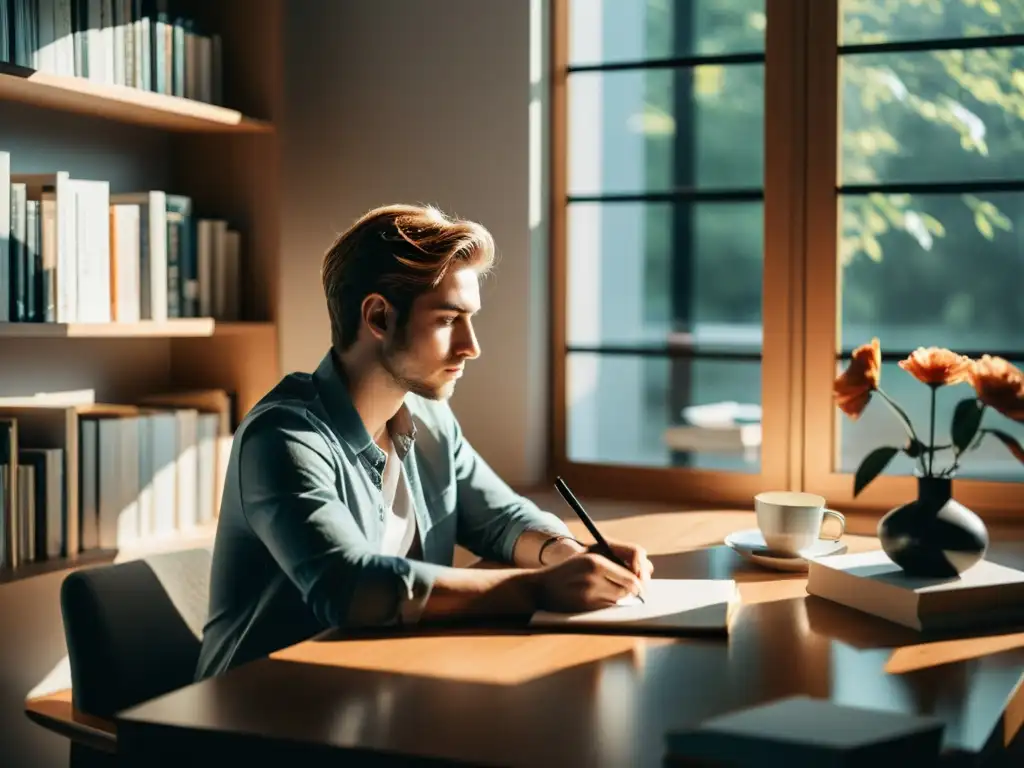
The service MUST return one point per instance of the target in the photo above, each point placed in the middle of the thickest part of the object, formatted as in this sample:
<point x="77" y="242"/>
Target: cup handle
<point x="838" y="516"/>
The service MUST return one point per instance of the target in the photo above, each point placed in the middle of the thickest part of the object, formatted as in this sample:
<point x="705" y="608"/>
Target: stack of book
<point x="804" y="731"/>
<point x="154" y="45"/>
<point x="76" y="477"/>
<point x="72" y="252"/>
<point x="986" y="596"/>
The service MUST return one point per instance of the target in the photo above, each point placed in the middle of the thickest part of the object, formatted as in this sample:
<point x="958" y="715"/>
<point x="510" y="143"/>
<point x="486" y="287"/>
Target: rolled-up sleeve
<point x="290" y="499"/>
<point x="491" y="515"/>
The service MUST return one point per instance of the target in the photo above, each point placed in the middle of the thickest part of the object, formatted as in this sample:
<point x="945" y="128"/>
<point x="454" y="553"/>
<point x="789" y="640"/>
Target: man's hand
<point x="585" y="582"/>
<point x="572" y="579"/>
<point x="632" y="555"/>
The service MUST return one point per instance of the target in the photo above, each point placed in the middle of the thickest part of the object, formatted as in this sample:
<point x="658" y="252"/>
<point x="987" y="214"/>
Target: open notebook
<point x="674" y="606"/>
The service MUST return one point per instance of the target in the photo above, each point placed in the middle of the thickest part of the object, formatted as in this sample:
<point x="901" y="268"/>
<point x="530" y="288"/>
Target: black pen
<point x="602" y="544"/>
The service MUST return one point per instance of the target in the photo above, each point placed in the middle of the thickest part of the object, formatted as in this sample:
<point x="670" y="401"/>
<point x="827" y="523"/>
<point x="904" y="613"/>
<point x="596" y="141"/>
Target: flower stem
<point x="931" y="437"/>
<point x="904" y="420"/>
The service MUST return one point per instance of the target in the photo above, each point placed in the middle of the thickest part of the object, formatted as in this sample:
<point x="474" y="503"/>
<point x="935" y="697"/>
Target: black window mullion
<point x="745" y="355"/>
<point x="937" y="44"/>
<point x="933" y="188"/>
<point x="676" y="62"/>
<point x="682" y="256"/>
<point x="679" y="194"/>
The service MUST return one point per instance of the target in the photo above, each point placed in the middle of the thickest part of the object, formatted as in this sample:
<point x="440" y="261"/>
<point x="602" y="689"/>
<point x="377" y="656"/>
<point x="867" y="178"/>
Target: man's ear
<point x="377" y="315"/>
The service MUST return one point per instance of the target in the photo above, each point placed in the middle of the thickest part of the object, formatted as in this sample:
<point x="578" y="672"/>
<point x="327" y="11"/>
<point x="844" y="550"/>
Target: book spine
<point x="5" y="236"/>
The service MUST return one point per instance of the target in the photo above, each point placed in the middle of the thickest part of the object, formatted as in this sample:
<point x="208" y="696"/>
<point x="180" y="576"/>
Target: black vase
<point x="935" y="535"/>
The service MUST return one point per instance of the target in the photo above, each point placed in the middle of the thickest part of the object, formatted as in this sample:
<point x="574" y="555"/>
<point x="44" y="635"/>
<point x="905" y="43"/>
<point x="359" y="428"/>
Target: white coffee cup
<point x="791" y="521"/>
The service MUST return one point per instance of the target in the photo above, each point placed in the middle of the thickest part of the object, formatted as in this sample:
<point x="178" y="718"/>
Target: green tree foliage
<point x="951" y="261"/>
<point x="945" y="261"/>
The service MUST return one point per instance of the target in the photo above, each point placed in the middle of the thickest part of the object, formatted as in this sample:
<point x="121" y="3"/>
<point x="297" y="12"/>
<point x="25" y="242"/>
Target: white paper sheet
<point x="682" y="605"/>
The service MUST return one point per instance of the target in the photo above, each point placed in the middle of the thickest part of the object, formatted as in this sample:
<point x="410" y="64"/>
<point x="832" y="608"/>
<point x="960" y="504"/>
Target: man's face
<point x="428" y="355"/>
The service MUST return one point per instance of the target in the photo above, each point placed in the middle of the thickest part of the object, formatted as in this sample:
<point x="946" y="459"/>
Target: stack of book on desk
<point x="984" y="596"/>
<point x="804" y="731"/>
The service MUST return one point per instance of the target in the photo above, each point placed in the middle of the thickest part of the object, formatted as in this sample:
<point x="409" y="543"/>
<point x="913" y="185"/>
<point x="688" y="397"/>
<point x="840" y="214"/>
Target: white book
<point x="125" y="256"/>
<point x="92" y="200"/>
<point x="206" y="453"/>
<point x="93" y="34"/>
<point x="129" y="523"/>
<point x="146" y="473"/>
<point x="187" y="469"/>
<point x="672" y="606"/>
<point x="46" y="55"/>
<point x="5" y="234"/>
<point x="118" y="44"/>
<point x="987" y="594"/>
<point x="107" y="40"/>
<point x="64" y="35"/>
<point x="163" y="434"/>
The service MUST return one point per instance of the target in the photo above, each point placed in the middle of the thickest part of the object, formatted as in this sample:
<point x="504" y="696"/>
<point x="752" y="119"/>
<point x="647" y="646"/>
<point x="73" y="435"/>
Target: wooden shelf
<point x="28" y="570"/>
<point x="245" y="328"/>
<point x="182" y="328"/>
<point x="200" y="536"/>
<point x="201" y="326"/>
<point x="121" y="103"/>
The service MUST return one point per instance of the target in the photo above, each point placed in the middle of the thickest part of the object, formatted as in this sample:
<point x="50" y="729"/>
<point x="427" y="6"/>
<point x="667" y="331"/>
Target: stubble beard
<point x="391" y="358"/>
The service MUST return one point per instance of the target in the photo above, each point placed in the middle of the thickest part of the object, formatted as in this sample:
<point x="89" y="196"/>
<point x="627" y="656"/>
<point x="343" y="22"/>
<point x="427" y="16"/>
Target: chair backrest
<point x="133" y="629"/>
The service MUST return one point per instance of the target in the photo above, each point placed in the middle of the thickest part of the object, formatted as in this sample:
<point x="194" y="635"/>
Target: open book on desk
<point x="673" y="607"/>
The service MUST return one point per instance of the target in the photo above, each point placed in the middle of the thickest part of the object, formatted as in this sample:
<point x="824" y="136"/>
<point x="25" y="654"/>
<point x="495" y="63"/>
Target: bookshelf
<point x="118" y="102"/>
<point x="198" y="326"/>
<point x="222" y="157"/>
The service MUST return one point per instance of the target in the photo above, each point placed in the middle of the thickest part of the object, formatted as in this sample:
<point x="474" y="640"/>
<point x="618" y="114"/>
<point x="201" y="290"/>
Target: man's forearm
<point x="527" y="552"/>
<point x="481" y="592"/>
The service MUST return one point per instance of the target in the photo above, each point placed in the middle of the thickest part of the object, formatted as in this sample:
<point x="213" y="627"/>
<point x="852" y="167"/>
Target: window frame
<point x="781" y="392"/>
<point x="994" y="500"/>
<point x="801" y="292"/>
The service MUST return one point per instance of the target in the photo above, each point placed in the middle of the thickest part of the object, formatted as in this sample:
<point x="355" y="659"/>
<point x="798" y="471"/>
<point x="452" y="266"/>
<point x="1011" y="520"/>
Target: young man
<point x="348" y="489"/>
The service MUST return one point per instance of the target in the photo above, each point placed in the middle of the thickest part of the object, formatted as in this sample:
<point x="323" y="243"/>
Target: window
<point x="708" y="290"/>
<point x="664" y="247"/>
<point x="926" y="218"/>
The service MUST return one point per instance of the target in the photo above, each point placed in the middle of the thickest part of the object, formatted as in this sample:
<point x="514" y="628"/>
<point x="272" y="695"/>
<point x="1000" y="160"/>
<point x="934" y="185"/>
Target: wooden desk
<point x="519" y="699"/>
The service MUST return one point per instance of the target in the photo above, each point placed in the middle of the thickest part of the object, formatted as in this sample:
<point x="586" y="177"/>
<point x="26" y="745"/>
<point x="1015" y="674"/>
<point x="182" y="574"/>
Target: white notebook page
<point x="671" y="604"/>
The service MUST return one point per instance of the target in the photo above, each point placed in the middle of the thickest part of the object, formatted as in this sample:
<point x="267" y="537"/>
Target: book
<point x="985" y="595"/>
<point x="804" y="731"/>
<point x="673" y="606"/>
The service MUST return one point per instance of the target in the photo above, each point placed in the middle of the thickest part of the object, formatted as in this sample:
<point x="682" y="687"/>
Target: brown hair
<point x="400" y="252"/>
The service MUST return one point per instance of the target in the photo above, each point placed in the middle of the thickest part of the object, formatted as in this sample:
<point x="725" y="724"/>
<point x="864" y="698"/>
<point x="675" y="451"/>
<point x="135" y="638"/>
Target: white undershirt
<point x="399" y="513"/>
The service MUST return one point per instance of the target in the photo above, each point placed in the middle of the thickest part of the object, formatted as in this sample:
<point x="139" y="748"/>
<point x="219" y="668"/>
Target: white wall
<point x="411" y="101"/>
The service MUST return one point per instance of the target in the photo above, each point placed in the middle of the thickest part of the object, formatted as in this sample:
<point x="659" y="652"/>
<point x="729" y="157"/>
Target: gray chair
<point x="133" y="629"/>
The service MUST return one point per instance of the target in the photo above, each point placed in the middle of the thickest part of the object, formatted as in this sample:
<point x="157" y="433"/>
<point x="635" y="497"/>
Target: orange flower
<point x="936" y="367"/>
<point x="999" y="385"/>
<point x="853" y="387"/>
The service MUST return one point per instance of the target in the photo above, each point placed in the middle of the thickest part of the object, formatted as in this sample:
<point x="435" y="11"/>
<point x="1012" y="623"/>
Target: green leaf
<point x="966" y="419"/>
<point x="871" y="247"/>
<point x="983" y="225"/>
<point x="933" y="225"/>
<point x="1009" y="441"/>
<point x="871" y="466"/>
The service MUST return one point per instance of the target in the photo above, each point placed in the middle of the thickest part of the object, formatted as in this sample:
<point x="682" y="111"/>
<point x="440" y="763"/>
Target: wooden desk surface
<point x="520" y="699"/>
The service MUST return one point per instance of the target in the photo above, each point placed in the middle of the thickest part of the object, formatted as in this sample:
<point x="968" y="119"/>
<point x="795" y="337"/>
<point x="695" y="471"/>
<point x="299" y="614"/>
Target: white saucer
<point x="750" y="544"/>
